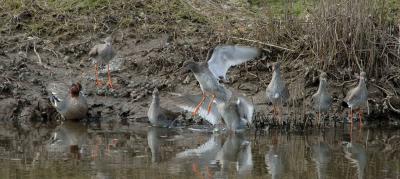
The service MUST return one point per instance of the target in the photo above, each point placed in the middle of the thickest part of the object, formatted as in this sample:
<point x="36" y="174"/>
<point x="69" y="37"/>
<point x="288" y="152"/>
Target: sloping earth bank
<point x="151" y="47"/>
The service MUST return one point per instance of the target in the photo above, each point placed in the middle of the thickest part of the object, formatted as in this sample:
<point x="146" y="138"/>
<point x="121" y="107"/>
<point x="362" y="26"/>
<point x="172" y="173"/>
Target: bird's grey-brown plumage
<point x="103" y="53"/>
<point x="322" y="100"/>
<point x="208" y="83"/>
<point x="157" y="115"/>
<point x="71" y="104"/>
<point x="236" y="112"/>
<point x="277" y="92"/>
<point x="209" y="73"/>
<point x="357" y="97"/>
<point x="225" y="56"/>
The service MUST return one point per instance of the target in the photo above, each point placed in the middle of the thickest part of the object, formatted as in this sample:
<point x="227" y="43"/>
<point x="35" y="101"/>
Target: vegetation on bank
<point x="339" y="36"/>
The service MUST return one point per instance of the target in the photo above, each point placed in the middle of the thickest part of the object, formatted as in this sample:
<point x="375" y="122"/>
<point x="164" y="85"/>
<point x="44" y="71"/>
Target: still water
<point x="75" y="151"/>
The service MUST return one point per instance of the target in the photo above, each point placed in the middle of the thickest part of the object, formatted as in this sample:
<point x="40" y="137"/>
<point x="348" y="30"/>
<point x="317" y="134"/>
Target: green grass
<point x="90" y="15"/>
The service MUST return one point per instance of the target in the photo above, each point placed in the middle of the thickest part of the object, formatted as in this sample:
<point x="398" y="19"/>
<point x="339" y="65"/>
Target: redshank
<point x="103" y="54"/>
<point x="321" y="100"/>
<point x="208" y="74"/>
<point x="357" y="98"/>
<point x="277" y="92"/>
<point x="159" y="116"/>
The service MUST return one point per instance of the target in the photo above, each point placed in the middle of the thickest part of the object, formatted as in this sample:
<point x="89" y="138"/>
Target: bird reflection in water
<point x="213" y="158"/>
<point x="355" y="152"/>
<point x="321" y="155"/>
<point x="154" y="135"/>
<point x="274" y="160"/>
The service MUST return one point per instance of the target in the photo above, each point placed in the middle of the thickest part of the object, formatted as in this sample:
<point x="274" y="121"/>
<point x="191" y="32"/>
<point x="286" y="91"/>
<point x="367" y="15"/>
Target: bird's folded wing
<point x="57" y="91"/>
<point x="94" y="51"/>
<point x="224" y="57"/>
<point x="189" y="103"/>
<point x="353" y="95"/>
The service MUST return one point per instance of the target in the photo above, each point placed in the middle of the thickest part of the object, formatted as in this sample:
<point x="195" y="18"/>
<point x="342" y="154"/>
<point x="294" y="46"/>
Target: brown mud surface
<point x="151" y="49"/>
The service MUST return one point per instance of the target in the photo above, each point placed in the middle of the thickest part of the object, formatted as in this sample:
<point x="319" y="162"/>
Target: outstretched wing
<point x="226" y="56"/>
<point x="189" y="103"/>
<point x="246" y="109"/>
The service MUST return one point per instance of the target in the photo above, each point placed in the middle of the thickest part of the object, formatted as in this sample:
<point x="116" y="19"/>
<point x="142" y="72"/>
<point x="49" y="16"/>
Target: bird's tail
<point x="344" y="104"/>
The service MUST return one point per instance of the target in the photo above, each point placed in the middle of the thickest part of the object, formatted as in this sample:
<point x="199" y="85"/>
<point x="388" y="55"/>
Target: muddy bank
<point x="150" y="53"/>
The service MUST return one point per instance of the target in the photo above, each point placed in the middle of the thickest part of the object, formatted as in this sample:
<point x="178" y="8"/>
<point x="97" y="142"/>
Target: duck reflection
<point x="218" y="153"/>
<point x="274" y="160"/>
<point x="154" y="141"/>
<point x="356" y="154"/>
<point x="70" y="137"/>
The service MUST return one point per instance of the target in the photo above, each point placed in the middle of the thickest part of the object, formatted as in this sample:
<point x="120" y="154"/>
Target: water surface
<point x="74" y="151"/>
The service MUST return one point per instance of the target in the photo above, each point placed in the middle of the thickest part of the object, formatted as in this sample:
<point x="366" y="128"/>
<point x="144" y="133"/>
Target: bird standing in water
<point x="158" y="116"/>
<point x="236" y="113"/>
<point x="357" y="98"/>
<point x="277" y="92"/>
<point x="208" y="74"/>
<point x="103" y="54"/>
<point x="321" y="100"/>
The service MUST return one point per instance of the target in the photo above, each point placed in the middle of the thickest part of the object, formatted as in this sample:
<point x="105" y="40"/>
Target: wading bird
<point x="158" y="116"/>
<point x="236" y="111"/>
<point x="321" y="100"/>
<point x="208" y="74"/>
<point x="103" y="54"/>
<point x="277" y="92"/>
<point x="357" y="98"/>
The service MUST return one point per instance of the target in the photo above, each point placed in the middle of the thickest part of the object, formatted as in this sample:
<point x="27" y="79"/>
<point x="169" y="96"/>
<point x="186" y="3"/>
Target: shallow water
<point x="74" y="151"/>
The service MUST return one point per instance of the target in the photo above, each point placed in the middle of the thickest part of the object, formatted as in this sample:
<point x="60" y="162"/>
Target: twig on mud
<point x="387" y="92"/>
<point x="37" y="54"/>
<point x="342" y="84"/>
<point x="263" y="43"/>
<point x="391" y="107"/>
<point x="389" y="96"/>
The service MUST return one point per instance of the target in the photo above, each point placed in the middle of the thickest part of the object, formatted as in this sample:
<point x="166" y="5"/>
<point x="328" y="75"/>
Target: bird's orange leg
<point x="109" y="77"/>
<point x="280" y="113"/>
<point x="199" y="105"/>
<point x="360" y="116"/>
<point x="196" y="171"/>
<point x="318" y="118"/>
<point x="209" y="174"/>
<point x="351" y="118"/>
<point x="98" y="82"/>
<point x="274" y="111"/>
<point x="210" y="103"/>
